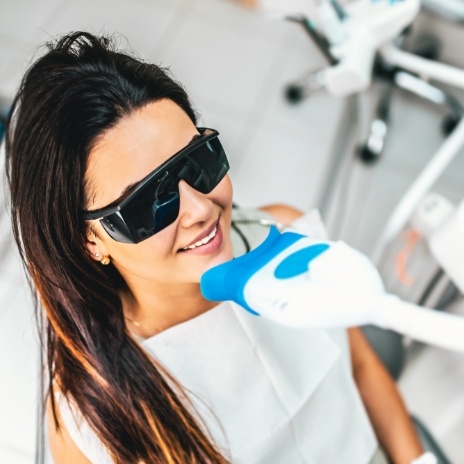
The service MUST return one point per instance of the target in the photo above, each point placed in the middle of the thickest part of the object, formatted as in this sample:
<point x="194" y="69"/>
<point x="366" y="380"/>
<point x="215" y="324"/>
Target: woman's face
<point x="123" y="156"/>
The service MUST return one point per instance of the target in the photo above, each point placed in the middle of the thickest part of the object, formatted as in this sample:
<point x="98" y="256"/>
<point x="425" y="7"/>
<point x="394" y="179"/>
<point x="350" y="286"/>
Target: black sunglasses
<point x="153" y="203"/>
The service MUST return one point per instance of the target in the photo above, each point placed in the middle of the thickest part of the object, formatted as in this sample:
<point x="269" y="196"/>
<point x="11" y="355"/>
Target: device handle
<point x="427" y="325"/>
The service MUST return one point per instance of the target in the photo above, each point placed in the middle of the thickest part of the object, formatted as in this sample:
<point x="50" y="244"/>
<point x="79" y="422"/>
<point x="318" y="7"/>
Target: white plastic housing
<point x="338" y="290"/>
<point x="433" y="211"/>
<point x="447" y="247"/>
<point x="341" y="288"/>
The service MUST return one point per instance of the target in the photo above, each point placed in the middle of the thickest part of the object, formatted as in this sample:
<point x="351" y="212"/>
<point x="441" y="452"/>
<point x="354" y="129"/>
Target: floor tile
<point x="416" y="146"/>
<point x="141" y="23"/>
<point x="22" y="19"/>
<point x="11" y="77"/>
<point x="211" y="59"/>
<point x="10" y="456"/>
<point x="261" y="178"/>
<point x="450" y="34"/>
<point x="230" y="123"/>
<point x="387" y="188"/>
<point x="19" y="366"/>
<point x="242" y="21"/>
<point x="7" y="56"/>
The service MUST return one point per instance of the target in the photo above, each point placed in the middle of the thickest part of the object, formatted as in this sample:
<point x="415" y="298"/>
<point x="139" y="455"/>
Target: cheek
<point x="155" y="248"/>
<point x="225" y="195"/>
<point x="224" y="192"/>
<point x="137" y="258"/>
<point x="149" y="260"/>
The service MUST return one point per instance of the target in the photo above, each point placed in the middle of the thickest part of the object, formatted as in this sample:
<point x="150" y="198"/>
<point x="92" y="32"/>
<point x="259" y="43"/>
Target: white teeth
<point x="203" y="241"/>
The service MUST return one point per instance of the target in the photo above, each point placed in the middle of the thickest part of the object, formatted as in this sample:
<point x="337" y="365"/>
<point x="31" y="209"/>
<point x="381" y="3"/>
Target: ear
<point x="94" y="244"/>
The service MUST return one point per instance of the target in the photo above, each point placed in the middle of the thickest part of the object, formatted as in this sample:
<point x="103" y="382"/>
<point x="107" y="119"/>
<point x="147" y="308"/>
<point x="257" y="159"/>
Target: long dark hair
<point x="78" y="89"/>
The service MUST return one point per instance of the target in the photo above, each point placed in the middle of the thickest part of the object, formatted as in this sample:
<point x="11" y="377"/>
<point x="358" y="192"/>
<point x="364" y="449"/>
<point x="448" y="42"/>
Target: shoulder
<point x="285" y="214"/>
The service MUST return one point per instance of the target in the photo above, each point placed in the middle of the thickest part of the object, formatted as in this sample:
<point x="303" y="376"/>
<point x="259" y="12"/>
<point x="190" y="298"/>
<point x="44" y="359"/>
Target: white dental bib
<point x="268" y="394"/>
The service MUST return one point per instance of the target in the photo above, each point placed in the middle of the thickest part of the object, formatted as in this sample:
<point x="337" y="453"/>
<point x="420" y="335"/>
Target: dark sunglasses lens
<point x="116" y="228"/>
<point x="154" y="208"/>
<point x="205" y="167"/>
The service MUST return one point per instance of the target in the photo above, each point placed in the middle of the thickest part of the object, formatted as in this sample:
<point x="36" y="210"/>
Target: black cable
<point x="449" y="296"/>
<point x="242" y="236"/>
<point x="263" y="222"/>
<point x="319" y="39"/>
<point x="430" y="286"/>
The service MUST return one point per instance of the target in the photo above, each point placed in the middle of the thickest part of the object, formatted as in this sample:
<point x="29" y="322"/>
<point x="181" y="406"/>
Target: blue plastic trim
<point x="227" y="281"/>
<point x="297" y="263"/>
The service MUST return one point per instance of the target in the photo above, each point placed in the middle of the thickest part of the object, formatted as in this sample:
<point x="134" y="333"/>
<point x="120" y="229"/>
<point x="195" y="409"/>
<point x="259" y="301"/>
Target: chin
<point x="226" y="255"/>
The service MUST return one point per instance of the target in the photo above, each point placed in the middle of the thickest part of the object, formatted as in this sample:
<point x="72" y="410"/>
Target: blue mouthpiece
<point x="227" y="281"/>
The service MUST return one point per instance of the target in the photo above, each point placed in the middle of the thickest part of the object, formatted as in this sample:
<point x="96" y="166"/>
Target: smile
<point x="203" y="241"/>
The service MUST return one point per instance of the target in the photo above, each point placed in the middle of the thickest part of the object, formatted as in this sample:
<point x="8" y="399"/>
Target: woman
<point x="119" y="204"/>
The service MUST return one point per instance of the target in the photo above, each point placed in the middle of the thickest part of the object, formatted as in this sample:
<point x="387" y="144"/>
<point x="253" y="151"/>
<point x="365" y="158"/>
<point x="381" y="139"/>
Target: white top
<point x="268" y="394"/>
<point x="280" y="395"/>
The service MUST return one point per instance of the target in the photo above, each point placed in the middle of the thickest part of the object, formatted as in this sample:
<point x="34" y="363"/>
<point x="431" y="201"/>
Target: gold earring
<point x="105" y="260"/>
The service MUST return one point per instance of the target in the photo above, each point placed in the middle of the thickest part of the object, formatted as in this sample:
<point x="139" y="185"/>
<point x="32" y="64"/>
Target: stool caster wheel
<point x="295" y="93"/>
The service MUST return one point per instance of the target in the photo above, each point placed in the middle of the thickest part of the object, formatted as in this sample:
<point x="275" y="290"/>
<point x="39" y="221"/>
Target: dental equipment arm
<point x="369" y="25"/>
<point x="300" y="282"/>
<point x="353" y="37"/>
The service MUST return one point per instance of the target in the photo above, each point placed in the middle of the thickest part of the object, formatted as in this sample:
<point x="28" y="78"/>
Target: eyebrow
<point x="135" y="183"/>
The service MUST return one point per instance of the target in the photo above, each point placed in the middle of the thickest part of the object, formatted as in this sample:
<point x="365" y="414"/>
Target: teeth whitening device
<point x="301" y="282"/>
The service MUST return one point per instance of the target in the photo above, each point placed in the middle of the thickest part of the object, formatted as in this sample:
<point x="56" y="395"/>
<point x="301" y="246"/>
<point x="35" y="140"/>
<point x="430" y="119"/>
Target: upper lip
<point x="203" y="234"/>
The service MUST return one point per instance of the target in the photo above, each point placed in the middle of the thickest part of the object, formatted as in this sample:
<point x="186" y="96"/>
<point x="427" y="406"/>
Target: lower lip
<point x="209" y="247"/>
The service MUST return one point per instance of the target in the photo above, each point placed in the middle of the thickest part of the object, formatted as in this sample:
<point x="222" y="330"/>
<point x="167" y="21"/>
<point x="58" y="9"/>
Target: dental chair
<point x="355" y="56"/>
<point x="447" y="9"/>
<point x="428" y="442"/>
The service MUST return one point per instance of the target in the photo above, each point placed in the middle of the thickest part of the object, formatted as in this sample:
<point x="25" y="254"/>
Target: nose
<point x="195" y="207"/>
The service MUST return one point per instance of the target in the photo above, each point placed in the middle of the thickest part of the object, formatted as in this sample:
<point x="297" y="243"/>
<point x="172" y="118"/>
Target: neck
<point x="154" y="309"/>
